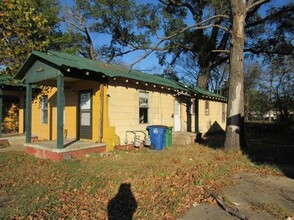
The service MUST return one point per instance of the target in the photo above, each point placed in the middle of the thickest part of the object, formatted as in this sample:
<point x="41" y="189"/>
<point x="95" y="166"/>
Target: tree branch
<point x="279" y="52"/>
<point x="6" y="39"/>
<point x="172" y="36"/>
<point x="252" y="5"/>
<point x="270" y="16"/>
<point x="196" y="26"/>
<point x="220" y="51"/>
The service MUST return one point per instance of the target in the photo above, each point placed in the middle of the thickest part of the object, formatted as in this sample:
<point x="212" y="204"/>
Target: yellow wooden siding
<point x="39" y="129"/>
<point x="124" y="110"/>
<point x="49" y="131"/>
<point x="21" y="125"/>
<point x="215" y="115"/>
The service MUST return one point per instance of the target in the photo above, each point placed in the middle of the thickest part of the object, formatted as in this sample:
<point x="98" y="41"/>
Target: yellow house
<point x="89" y="100"/>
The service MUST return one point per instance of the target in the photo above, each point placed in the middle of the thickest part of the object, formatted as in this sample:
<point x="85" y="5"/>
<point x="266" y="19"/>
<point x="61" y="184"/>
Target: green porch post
<point x="1" y="106"/>
<point x="28" y="113"/>
<point x="60" y="107"/>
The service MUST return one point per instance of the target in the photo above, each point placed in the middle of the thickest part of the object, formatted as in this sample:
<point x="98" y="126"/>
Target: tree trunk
<point x="202" y="80"/>
<point x="90" y="44"/>
<point x="235" y="121"/>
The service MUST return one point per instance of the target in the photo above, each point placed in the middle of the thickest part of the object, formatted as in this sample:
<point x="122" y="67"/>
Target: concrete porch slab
<point x="72" y="148"/>
<point x="15" y="138"/>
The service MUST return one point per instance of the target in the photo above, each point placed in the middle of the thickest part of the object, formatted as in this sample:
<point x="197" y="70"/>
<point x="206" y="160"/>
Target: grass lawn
<point x="154" y="184"/>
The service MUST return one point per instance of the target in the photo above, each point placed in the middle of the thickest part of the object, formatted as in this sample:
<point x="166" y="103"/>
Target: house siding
<point x="214" y="116"/>
<point x="121" y="112"/>
<point x="124" y="109"/>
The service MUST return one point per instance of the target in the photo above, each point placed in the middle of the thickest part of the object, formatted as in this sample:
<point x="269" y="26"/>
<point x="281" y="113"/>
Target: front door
<point x="85" y="114"/>
<point x="177" y="115"/>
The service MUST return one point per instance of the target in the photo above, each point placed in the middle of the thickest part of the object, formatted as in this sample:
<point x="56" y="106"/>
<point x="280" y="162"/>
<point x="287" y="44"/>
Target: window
<point x="44" y="109"/>
<point x="206" y="108"/>
<point x="143" y="107"/>
<point x="192" y="107"/>
<point x="223" y="112"/>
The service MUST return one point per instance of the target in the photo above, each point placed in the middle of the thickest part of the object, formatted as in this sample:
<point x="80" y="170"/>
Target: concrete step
<point x="183" y="138"/>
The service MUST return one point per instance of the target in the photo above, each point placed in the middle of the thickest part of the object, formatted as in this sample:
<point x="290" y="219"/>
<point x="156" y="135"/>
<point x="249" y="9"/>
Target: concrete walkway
<point x="16" y="142"/>
<point x="13" y="148"/>
<point x="255" y="196"/>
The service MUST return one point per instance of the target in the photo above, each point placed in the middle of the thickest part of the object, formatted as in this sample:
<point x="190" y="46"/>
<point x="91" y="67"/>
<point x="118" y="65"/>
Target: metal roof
<point x="65" y="60"/>
<point x="8" y="80"/>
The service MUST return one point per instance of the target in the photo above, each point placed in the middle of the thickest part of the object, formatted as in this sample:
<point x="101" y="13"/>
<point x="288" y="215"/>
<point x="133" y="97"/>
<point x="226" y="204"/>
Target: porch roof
<point x="206" y="94"/>
<point x="9" y="81"/>
<point x="64" y="61"/>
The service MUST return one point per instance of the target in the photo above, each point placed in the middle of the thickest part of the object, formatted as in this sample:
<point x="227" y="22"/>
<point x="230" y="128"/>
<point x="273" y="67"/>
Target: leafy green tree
<point x="22" y="30"/>
<point x="27" y="25"/>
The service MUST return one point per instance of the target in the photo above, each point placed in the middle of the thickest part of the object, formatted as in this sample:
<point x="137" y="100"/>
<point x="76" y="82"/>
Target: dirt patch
<point x="255" y="196"/>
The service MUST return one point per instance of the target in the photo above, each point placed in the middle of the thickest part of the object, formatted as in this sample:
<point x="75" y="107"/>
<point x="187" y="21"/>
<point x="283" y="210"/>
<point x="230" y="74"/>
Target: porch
<point x="47" y="149"/>
<point x="71" y="148"/>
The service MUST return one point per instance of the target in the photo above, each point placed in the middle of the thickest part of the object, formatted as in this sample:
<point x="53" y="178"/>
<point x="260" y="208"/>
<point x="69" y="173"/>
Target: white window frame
<point x="44" y="109"/>
<point x="143" y="104"/>
<point x="192" y="107"/>
<point x="206" y="108"/>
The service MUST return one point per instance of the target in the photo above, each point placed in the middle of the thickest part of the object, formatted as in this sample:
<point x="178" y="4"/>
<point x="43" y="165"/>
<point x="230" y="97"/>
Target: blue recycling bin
<point x="157" y="136"/>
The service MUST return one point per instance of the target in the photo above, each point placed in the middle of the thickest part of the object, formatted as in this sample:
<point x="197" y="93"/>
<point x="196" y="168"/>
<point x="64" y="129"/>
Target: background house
<point x="11" y="105"/>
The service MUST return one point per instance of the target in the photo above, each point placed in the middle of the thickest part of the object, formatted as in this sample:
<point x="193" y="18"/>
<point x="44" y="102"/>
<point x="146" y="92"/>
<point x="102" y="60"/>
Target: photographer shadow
<point x="123" y="205"/>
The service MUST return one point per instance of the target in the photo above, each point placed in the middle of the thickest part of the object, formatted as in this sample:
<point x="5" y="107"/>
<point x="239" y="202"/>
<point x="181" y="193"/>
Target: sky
<point x="150" y="64"/>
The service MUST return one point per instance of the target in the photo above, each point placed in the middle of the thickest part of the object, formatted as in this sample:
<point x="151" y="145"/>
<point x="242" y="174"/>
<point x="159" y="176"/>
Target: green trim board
<point x="67" y="62"/>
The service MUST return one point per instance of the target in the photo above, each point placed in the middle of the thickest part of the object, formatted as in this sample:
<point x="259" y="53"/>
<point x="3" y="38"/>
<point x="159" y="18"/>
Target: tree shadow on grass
<point x="123" y="205"/>
<point x="271" y="144"/>
<point x="266" y="144"/>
